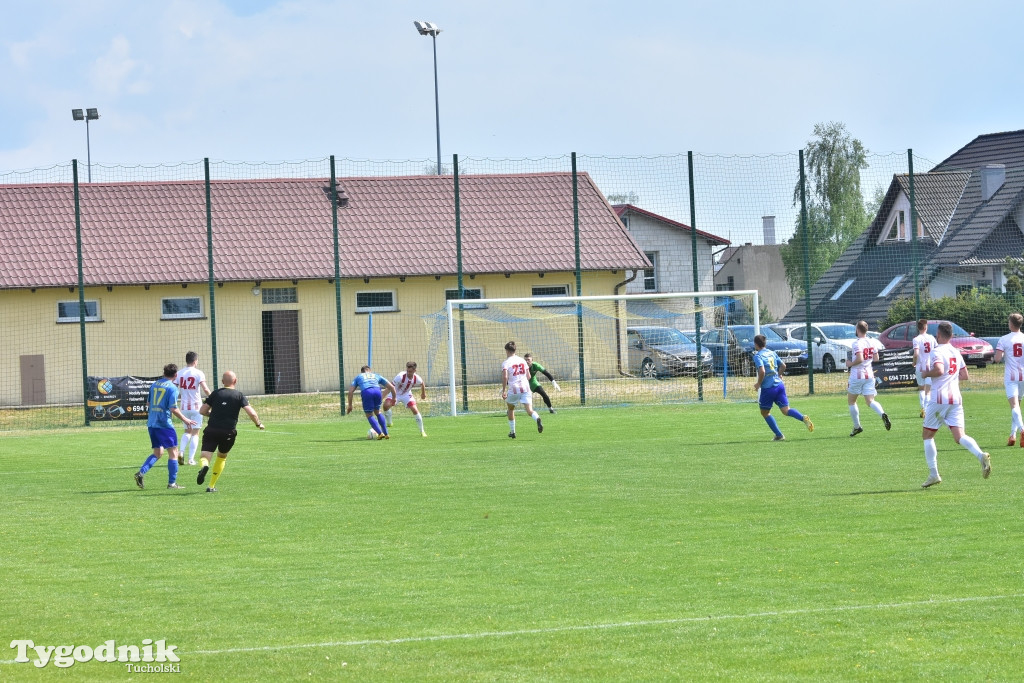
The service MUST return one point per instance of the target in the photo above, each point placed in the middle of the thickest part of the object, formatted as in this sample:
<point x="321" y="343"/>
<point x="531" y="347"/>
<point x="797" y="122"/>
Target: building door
<point x="281" y="371"/>
<point x="33" y="381"/>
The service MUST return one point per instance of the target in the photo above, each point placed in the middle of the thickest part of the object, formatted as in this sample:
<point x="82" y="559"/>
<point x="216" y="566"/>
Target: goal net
<point x="601" y="350"/>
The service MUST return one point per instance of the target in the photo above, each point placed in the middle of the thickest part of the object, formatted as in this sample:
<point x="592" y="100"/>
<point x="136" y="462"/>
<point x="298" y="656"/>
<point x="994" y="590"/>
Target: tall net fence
<point x="295" y="275"/>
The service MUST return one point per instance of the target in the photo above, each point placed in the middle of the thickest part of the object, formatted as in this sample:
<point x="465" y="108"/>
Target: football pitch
<point x="673" y="542"/>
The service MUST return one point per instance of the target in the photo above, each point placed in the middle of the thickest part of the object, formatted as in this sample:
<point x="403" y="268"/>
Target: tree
<point x="1013" y="271"/>
<point x="836" y="214"/>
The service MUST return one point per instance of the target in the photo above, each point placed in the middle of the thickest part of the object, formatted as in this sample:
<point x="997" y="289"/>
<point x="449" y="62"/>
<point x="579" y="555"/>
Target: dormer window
<point x="898" y="228"/>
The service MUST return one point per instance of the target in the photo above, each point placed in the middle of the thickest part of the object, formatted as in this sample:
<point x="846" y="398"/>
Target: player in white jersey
<point x="946" y="368"/>
<point x="923" y="345"/>
<point x="190" y="380"/>
<point x="515" y="388"/>
<point x="862" y="377"/>
<point x="1010" y="350"/>
<point x="404" y="384"/>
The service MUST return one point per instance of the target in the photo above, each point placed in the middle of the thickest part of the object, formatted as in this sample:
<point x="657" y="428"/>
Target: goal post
<point x="603" y="350"/>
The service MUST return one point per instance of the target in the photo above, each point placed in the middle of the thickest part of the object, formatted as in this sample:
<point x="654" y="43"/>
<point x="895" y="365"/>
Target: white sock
<point x="419" y="420"/>
<point x="1018" y="422"/>
<point x="512" y="426"/>
<point x="855" y="414"/>
<point x="387" y="416"/>
<point x="922" y="398"/>
<point x="193" y="445"/>
<point x="972" y="445"/>
<point x="534" y="415"/>
<point x="931" y="454"/>
<point x="183" y="442"/>
<point x="877" y="407"/>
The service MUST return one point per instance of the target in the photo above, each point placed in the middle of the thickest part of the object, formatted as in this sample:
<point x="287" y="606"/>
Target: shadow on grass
<point x="879" y="493"/>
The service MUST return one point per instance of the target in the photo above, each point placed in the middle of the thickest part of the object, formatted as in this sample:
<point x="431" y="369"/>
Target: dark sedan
<point x="733" y="349"/>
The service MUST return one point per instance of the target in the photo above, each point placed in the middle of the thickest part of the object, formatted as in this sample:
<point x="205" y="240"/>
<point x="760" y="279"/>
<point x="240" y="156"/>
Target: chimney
<point x="992" y="178"/>
<point x="768" y="223"/>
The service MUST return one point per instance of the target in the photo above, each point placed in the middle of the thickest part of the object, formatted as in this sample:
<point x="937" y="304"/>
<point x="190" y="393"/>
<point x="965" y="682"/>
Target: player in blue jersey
<point x="772" y="390"/>
<point x="162" y="402"/>
<point x="369" y="384"/>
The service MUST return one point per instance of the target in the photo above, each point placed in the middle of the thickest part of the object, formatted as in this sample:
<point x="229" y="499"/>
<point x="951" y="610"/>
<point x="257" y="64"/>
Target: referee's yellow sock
<point x="218" y="467"/>
<point x="205" y="462"/>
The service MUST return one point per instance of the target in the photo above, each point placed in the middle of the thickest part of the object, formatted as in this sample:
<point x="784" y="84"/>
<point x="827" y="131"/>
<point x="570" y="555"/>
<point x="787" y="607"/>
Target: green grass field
<point x="674" y="542"/>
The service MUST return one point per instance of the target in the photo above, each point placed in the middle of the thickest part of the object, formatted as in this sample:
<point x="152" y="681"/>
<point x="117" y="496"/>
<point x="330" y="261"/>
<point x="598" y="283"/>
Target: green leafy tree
<point x="1013" y="272"/>
<point x="836" y="214"/>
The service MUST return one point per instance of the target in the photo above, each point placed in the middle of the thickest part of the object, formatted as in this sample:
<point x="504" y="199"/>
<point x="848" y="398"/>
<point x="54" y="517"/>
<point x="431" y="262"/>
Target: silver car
<point x="664" y="352"/>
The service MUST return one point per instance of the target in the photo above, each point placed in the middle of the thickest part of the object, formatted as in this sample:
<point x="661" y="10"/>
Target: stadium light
<point x="427" y="28"/>
<point x="90" y="114"/>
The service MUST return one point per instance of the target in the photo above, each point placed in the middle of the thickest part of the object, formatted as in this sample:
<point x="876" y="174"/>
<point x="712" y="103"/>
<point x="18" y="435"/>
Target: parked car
<point x="975" y="351"/>
<point x="663" y="352"/>
<point x="831" y="342"/>
<point x="736" y="344"/>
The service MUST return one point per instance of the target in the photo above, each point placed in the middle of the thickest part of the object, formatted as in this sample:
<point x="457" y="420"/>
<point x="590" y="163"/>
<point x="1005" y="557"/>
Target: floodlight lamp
<point x="77" y="115"/>
<point x="427" y="28"/>
<point x="92" y="114"/>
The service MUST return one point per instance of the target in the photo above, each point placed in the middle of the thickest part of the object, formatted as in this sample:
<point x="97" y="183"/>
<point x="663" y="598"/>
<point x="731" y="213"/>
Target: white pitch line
<point x="595" y="627"/>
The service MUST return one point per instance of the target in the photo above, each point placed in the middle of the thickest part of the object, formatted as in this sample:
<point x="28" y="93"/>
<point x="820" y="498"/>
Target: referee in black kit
<point x="222" y="407"/>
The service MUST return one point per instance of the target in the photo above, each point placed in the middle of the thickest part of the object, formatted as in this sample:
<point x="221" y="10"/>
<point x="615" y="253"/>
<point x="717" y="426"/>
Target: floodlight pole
<point x="426" y="28"/>
<point x="86" y="115"/>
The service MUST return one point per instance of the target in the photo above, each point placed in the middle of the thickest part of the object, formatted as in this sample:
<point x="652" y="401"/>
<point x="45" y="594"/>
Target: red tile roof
<point x="623" y="208"/>
<point x="152" y="233"/>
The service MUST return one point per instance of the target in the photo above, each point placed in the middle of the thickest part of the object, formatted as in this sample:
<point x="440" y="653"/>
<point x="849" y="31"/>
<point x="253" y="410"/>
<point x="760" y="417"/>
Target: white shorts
<point x="922" y="381"/>
<point x="195" y="416"/>
<point x="1014" y="389"/>
<point x="406" y="400"/>
<point x="938" y="414"/>
<point x="523" y="397"/>
<point x="863" y="387"/>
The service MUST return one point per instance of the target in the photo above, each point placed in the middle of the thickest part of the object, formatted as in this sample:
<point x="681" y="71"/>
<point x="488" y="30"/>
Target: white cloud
<point x="111" y="72"/>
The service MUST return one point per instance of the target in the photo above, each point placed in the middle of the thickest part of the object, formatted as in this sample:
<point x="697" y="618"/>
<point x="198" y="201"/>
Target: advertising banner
<point x="895" y="369"/>
<point x="119" y="398"/>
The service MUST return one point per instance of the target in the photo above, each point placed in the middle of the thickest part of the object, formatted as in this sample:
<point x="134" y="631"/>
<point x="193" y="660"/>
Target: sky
<point x="267" y="80"/>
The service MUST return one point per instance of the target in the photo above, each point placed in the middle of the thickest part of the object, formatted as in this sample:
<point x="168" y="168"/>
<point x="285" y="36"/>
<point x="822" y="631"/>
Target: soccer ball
<point x="371" y="435"/>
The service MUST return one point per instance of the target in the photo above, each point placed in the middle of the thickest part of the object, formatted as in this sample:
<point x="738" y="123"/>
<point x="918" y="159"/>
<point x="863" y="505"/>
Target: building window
<point x="467" y="293"/>
<point x="651" y="274"/>
<point x="373" y="302"/>
<point x="540" y="292"/>
<point x="898" y="228"/>
<point x="68" y="312"/>
<point x="891" y="286"/>
<point x="181" y="307"/>
<point x="839" y="292"/>
<point x="280" y="295"/>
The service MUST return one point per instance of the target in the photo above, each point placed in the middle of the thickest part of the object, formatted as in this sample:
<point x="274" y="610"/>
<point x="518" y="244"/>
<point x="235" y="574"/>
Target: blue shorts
<point x="775" y="395"/>
<point x="163" y="437"/>
<point x="371" y="399"/>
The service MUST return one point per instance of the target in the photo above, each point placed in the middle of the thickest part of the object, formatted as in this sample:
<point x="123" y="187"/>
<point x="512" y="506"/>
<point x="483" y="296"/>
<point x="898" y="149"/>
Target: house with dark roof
<point x="147" y="293"/>
<point x="970" y="217"/>
<point x="668" y="245"/>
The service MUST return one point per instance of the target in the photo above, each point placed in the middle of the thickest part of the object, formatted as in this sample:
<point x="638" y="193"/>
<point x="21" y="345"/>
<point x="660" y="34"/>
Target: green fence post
<point x="337" y="287"/>
<point x="698" y="316"/>
<point x="462" y="290"/>
<point x="81" y="292"/>
<point x="209" y="267"/>
<point x="807" y="275"/>
<point x="913" y="238"/>
<point x="579" y="280"/>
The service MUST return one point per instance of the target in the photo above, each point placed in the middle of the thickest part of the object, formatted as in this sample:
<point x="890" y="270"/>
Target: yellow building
<point x="145" y="265"/>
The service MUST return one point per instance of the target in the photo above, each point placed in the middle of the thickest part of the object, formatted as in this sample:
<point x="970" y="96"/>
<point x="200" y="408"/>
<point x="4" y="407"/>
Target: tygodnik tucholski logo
<point x="153" y="656"/>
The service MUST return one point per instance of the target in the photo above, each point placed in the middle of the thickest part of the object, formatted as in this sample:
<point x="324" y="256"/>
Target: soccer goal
<point x="600" y="350"/>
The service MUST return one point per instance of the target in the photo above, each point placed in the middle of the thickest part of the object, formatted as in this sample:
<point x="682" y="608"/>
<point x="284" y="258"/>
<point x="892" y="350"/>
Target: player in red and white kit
<point x="515" y="388"/>
<point x="923" y="345"/>
<point x="404" y="384"/>
<point x="862" y="377"/>
<point x="1010" y="350"/>
<point x="190" y="380"/>
<point x="946" y="368"/>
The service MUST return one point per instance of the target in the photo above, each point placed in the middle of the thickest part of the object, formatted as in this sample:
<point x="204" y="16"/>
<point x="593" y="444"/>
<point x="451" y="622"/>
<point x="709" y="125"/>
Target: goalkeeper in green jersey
<point x="535" y="385"/>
